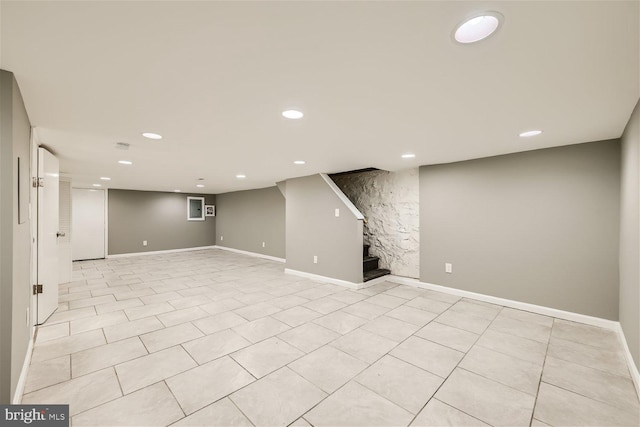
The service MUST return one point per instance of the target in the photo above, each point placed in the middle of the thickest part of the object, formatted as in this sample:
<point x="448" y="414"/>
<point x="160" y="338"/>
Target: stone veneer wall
<point x="390" y="203"/>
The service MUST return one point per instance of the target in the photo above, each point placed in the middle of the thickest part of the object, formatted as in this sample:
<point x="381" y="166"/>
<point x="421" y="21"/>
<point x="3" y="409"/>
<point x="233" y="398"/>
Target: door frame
<point x="44" y="298"/>
<point x="68" y="267"/>
<point x="106" y="223"/>
<point x="33" y="216"/>
<point x="106" y="215"/>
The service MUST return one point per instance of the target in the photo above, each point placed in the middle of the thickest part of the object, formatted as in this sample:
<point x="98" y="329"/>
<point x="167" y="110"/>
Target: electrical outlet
<point x="337" y="212"/>
<point x="221" y="238"/>
<point x="144" y="243"/>
<point x="315" y="259"/>
<point x="264" y="244"/>
<point x="448" y="267"/>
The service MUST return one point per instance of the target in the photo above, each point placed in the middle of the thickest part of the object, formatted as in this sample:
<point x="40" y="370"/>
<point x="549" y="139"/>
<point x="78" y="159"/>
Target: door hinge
<point x="37" y="289"/>
<point x="38" y="182"/>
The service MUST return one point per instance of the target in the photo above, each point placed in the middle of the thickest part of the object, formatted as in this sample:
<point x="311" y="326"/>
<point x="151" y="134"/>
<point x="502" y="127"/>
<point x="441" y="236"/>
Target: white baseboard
<point x="167" y="251"/>
<point x="538" y="309"/>
<point x="325" y="279"/>
<point x="375" y="281"/>
<point x="22" y="380"/>
<point x="633" y="369"/>
<point x="254" y="254"/>
<point x="350" y="285"/>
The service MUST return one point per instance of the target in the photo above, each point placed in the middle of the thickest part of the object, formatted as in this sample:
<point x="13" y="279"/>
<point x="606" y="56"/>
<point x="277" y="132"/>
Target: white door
<point x="87" y="224"/>
<point x="48" y="172"/>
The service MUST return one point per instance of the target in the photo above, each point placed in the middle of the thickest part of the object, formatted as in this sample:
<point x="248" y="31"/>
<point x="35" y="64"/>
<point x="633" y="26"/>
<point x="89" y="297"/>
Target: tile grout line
<point x="628" y="377"/>
<point x="588" y="397"/>
<point x="452" y="371"/>
<point x="164" y="381"/>
<point x="237" y="407"/>
<point x="387" y="353"/>
<point x="304" y="355"/>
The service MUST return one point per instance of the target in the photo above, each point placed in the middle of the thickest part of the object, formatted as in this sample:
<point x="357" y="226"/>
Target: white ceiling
<point x="374" y="79"/>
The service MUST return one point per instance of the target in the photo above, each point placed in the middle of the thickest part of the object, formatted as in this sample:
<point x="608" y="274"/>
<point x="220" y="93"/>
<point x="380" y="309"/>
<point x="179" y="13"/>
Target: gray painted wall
<point x="247" y="218"/>
<point x="630" y="235"/>
<point x="157" y="217"/>
<point x="15" y="238"/>
<point x="313" y="229"/>
<point x="539" y="227"/>
<point x="390" y="203"/>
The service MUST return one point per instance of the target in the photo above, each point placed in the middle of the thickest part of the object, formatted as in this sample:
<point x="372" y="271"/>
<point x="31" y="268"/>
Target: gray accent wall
<point x="15" y="237"/>
<point x="157" y="217"/>
<point x="314" y="230"/>
<point x="246" y="219"/>
<point x="630" y="235"/>
<point x="539" y="227"/>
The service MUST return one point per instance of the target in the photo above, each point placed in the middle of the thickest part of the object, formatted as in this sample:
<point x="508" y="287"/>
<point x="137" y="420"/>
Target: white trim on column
<point x="348" y="203"/>
<point x="325" y="279"/>
<point x="253" y="254"/>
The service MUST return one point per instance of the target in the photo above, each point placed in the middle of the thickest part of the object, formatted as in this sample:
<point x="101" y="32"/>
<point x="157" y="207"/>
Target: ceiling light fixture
<point x="125" y="162"/>
<point x="241" y="176"/>
<point x="299" y="162"/>
<point x="477" y="27"/>
<point x="97" y="185"/>
<point x="177" y="191"/>
<point x="105" y="178"/>
<point x="200" y="185"/>
<point x="151" y="135"/>
<point x="408" y="156"/>
<point x="292" y="114"/>
<point x="530" y="133"/>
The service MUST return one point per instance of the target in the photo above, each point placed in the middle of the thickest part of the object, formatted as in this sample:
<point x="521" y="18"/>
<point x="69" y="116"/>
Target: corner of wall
<point x="629" y="265"/>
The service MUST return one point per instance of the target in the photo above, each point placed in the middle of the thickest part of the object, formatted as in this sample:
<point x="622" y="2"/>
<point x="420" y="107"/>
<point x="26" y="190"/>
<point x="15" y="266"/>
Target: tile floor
<point x="219" y="339"/>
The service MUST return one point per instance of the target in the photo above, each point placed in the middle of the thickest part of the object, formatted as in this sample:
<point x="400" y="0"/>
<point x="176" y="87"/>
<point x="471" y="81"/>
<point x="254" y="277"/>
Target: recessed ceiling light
<point x="529" y="133"/>
<point x="105" y="178"/>
<point x="200" y="185"/>
<point x="151" y="135"/>
<point x="477" y="27"/>
<point x="177" y="191"/>
<point x="292" y="114"/>
<point x="299" y="162"/>
<point x="241" y="176"/>
<point x="125" y="162"/>
<point x="97" y="185"/>
<point x="408" y="156"/>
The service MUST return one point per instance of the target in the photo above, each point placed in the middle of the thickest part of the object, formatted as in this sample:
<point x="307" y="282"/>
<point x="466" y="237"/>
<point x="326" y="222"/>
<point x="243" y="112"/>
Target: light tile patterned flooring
<point x="216" y="338"/>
